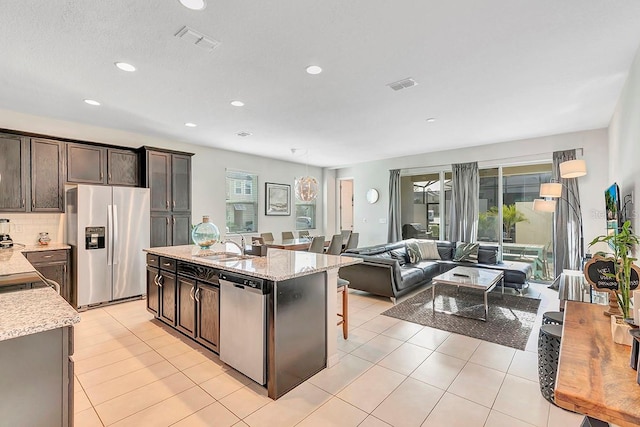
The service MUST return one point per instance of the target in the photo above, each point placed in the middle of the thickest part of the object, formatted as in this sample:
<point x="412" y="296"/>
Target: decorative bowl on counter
<point x="205" y="234"/>
<point x="43" y="238"/>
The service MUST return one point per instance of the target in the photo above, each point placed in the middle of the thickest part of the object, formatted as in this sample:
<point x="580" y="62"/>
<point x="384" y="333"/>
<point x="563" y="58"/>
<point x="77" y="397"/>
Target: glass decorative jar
<point x="205" y="234"/>
<point x="43" y="238"/>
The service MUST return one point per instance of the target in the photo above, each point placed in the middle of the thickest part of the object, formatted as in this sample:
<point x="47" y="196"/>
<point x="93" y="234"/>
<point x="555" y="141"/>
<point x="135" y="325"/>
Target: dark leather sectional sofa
<point x="386" y="270"/>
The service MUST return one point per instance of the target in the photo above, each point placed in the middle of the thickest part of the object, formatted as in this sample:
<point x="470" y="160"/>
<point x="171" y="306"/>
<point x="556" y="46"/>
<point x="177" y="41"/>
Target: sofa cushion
<point x="445" y="250"/>
<point x="411" y="276"/>
<point x="467" y="252"/>
<point x="428" y="249"/>
<point x="399" y="254"/>
<point x="430" y="268"/>
<point x="413" y="251"/>
<point x="488" y="255"/>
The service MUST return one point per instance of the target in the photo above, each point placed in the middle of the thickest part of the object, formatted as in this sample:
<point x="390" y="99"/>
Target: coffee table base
<point x="485" y="295"/>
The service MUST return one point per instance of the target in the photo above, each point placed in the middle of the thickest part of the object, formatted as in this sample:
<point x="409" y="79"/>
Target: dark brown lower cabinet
<point x="153" y="294"/>
<point x="170" y="230"/>
<point x="54" y="265"/>
<point x="198" y="311"/>
<point x="167" y="289"/>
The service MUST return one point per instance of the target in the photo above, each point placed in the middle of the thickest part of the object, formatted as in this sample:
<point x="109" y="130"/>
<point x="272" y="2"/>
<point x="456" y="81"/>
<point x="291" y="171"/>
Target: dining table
<point x="300" y="244"/>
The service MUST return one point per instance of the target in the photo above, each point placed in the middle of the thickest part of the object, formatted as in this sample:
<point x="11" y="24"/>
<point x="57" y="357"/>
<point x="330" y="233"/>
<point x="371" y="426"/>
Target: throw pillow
<point x="428" y="249"/>
<point x="467" y="252"/>
<point x="400" y="254"/>
<point x="413" y="251"/>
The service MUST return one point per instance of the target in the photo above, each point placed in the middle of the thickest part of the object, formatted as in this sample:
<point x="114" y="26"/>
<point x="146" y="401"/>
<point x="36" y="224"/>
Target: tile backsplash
<point x="25" y="228"/>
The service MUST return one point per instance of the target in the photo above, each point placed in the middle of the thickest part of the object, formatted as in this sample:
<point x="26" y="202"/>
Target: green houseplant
<point x="621" y="244"/>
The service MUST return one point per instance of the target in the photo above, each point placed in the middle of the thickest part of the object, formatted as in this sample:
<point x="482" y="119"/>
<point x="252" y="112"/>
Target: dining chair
<point x="345" y="236"/>
<point x="352" y="243"/>
<point x="267" y="237"/>
<point x="303" y="233"/>
<point x="335" y="247"/>
<point x="257" y="241"/>
<point x="287" y="235"/>
<point x="317" y="245"/>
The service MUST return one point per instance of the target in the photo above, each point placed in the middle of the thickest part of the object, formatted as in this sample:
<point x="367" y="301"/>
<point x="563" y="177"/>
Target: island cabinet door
<point x="208" y="313"/>
<point x="153" y="296"/>
<point x="186" y="320"/>
<point x="167" y="282"/>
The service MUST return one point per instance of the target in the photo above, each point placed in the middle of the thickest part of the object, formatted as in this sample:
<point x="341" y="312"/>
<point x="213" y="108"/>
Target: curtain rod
<point x="529" y="158"/>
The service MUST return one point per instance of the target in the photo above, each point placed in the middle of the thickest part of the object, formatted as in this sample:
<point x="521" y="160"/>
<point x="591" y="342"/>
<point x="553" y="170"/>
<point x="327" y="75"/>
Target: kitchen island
<point x="184" y="291"/>
<point x="36" y="345"/>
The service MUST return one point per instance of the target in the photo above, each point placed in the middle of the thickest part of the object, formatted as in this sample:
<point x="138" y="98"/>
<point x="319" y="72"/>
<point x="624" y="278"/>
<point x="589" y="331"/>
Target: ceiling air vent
<point x="197" y="38"/>
<point x="402" y="84"/>
<point x="243" y="134"/>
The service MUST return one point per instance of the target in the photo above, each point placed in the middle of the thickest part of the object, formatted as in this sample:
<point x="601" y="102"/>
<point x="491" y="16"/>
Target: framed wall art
<point x="277" y="199"/>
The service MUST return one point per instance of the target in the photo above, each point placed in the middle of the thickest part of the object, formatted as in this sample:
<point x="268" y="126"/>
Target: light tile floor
<point x="132" y="370"/>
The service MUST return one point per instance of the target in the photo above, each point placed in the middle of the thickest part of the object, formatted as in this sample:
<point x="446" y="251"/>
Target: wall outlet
<point x="382" y="220"/>
<point x="18" y="228"/>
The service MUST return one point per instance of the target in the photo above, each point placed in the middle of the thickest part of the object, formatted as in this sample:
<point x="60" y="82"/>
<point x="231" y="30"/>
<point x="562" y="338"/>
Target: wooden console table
<point x="594" y="377"/>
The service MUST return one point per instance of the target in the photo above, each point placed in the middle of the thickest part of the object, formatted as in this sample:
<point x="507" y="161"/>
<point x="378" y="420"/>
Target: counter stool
<point x="548" y="354"/>
<point x="553" y="318"/>
<point x="343" y="286"/>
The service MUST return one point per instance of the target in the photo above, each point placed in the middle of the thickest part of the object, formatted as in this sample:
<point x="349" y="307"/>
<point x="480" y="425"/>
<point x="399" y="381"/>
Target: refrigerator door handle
<point x="114" y="234"/>
<point x="109" y="234"/>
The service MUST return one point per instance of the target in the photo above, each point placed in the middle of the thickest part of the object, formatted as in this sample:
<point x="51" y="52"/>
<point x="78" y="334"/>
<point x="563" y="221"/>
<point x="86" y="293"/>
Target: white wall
<point x="624" y="140"/>
<point x="376" y="175"/>
<point x="208" y="168"/>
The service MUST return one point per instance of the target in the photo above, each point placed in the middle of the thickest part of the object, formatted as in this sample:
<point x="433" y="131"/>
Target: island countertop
<point x="278" y="265"/>
<point x="31" y="311"/>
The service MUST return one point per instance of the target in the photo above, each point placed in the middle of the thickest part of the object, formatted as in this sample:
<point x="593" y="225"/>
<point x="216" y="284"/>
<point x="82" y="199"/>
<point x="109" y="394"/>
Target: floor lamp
<point x="553" y="190"/>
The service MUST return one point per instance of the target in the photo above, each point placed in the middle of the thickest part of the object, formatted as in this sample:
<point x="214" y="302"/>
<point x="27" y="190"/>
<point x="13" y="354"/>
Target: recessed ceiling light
<point x="92" y="102"/>
<point x="244" y="134"/>
<point x="431" y="120"/>
<point x="194" y="4"/>
<point x="190" y="125"/>
<point x="125" y="67"/>
<point x="237" y="103"/>
<point x="314" y="69"/>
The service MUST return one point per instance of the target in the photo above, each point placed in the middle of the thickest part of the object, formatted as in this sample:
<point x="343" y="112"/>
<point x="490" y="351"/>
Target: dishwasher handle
<point x="247" y="283"/>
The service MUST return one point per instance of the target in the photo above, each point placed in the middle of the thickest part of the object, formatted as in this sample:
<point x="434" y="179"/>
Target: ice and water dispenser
<point x="94" y="237"/>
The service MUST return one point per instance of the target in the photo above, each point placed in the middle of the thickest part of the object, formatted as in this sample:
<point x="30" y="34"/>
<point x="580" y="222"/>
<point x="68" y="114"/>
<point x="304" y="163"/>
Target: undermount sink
<point x="224" y="256"/>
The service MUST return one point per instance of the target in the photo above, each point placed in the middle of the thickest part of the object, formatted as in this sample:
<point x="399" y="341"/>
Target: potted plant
<point x="621" y="244"/>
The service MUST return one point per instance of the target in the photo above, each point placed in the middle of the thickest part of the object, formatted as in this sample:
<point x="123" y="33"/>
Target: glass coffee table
<point x="469" y="277"/>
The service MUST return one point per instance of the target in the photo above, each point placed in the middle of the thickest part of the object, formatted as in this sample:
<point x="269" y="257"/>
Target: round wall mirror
<point x="372" y="195"/>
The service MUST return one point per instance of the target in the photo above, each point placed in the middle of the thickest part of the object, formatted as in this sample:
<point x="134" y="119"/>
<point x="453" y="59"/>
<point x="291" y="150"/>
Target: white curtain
<point x="465" y="194"/>
<point x="395" y="229"/>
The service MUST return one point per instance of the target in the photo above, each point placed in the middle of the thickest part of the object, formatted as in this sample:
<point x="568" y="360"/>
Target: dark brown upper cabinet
<point x="47" y="171"/>
<point x="123" y="167"/>
<point x="86" y="164"/>
<point x="14" y="173"/>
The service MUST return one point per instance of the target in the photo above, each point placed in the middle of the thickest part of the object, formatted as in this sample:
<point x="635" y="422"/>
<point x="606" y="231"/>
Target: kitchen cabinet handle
<point x="101" y="176"/>
<point x="23" y="203"/>
<point x="47" y="256"/>
<point x="167" y="204"/>
<point x="166" y="264"/>
<point x="33" y="203"/>
<point x="167" y="218"/>
<point x="197" y="295"/>
<point x="160" y="280"/>
<point x="155" y="280"/>
<point x="109" y="176"/>
<point x="174" y="203"/>
<point x="191" y="293"/>
<point x="173" y="220"/>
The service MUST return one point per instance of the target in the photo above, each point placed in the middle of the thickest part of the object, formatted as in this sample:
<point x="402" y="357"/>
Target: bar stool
<point x="553" y="318"/>
<point x="548" y="355"/>
<point x="343" y="286"/>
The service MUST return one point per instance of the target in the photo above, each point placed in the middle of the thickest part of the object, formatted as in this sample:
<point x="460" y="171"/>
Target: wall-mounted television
<point x="612" y="203"/>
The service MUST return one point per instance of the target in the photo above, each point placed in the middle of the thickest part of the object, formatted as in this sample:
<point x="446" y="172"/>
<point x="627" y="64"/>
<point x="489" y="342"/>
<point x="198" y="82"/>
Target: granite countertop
<point x="31" y="311"/>
<point x="12" y="261"/>
<point x="50" y="247"/>
<point x="278" y="265"/>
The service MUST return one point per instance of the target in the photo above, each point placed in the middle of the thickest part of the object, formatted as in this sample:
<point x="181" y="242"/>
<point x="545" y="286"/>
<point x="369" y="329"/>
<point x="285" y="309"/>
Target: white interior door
<point x="346" y="204"/>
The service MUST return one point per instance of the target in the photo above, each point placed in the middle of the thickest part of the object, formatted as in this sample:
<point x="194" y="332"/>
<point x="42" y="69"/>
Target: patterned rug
<point x="510" y="320"/>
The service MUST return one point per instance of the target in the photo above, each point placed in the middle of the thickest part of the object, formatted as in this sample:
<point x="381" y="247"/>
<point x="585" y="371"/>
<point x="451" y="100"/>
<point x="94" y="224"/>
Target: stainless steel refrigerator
<point x="107" y="228"/>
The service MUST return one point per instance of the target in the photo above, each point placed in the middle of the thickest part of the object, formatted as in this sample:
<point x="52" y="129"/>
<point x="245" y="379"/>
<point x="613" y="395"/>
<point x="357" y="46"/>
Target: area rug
<point x="511" y="317"/>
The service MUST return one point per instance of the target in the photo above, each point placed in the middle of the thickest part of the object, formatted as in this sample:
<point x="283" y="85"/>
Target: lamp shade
<point x="573" y="169"/>
<point x="306" y="188"/>
<point x="551" y="189"/>
<point x="542" y="205"/>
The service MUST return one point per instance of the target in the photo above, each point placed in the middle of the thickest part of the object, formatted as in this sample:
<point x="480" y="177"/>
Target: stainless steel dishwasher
<point x="243" y="324"/>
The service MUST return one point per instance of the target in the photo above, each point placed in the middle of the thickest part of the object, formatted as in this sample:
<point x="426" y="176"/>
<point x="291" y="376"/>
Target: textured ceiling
<point x="489" y="71"/>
